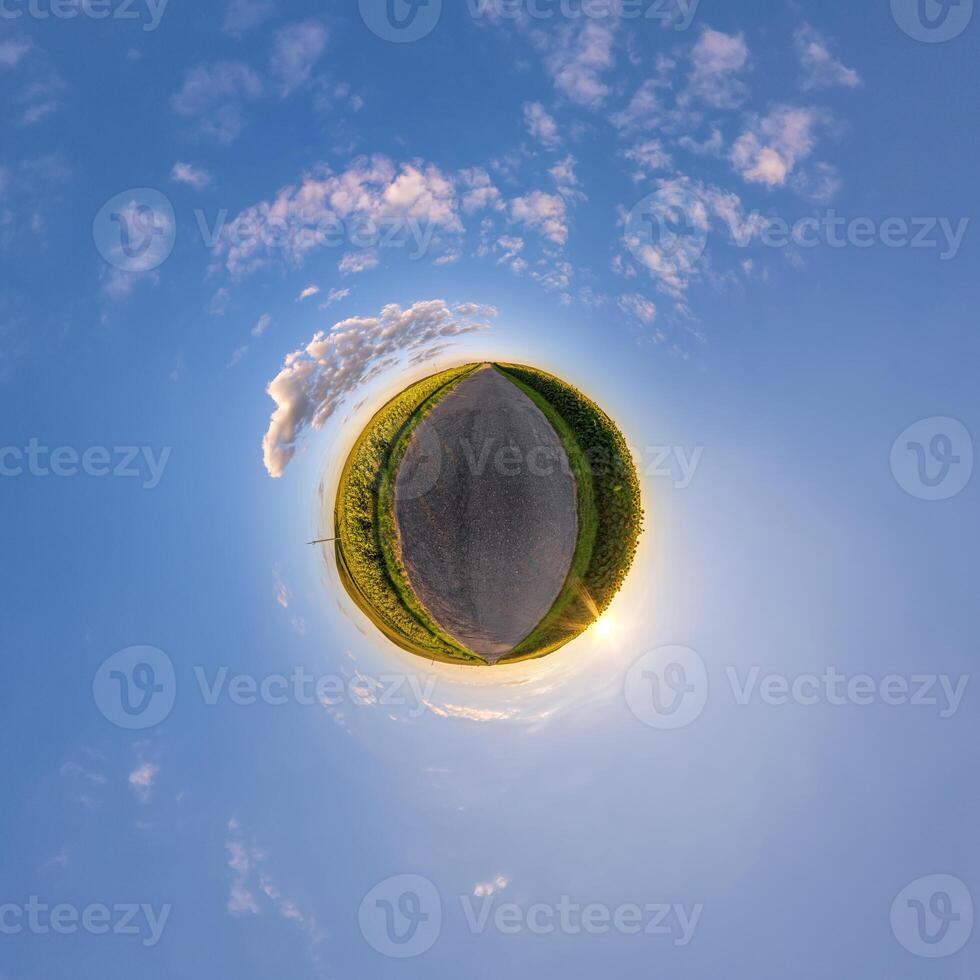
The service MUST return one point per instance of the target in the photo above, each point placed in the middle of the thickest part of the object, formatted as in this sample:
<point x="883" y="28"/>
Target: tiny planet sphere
<point x="487" y="515"/>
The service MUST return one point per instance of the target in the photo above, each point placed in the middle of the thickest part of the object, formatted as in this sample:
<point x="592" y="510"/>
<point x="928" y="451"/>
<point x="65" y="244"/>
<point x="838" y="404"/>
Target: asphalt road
<point x="487" y="514"/>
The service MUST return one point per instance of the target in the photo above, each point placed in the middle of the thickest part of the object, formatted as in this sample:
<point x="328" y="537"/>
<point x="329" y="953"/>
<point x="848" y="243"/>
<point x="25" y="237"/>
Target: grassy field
<point x="610" y="509"/>
<point x="364" y="519"/>
<point x="610" y="517"/>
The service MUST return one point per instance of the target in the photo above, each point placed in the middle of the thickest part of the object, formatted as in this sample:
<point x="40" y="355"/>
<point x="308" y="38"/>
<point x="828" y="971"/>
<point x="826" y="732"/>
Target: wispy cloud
<point x="186" y="173"/>
<point x="638" y="307"/>
<point x="487" y="888"/>
<point x="316" y="379"/>
<point x="13" y="51"/>
<point x="141" y="780"/>
<point x="821" y="68"/>
<point x="771" y="147"/>
<point x="309" y="292"/>
<point x="544" y="213"/>
<point x="541" y="125"/>
<point x="717" y="62"/>
<point x="372" y="192"/>
<point x="253" y="885"/>
<point x="578" y="55"/>
<point x="296" y="49"/>
<point x="334" y="296"/>
<point x="214" y="95"/>
<point x="242" y="15"/>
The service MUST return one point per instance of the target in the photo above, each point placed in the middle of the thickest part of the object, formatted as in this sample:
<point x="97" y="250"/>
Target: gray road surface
<point x="487" y="514"/>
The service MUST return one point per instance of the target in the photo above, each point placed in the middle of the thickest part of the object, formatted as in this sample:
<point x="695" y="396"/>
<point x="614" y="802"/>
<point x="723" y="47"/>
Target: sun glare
<point x="605" y="627"/>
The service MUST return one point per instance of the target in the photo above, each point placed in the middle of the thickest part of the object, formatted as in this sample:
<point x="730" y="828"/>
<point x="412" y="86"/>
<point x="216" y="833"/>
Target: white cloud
<point x="242" y="15"/>
<point x="238" y="355"/>
<point x="334" y="296"/>
<point x="354" y="263"/>
<point x="487" y="888"/>
<point x="214" y="96"/>
<point x="717" y="60"/>
<point x="13" y="51"/>
<point x="769" y="150"/>
<point x="563" y="174"/>
<point x="541" y="125"/>
<point x="638" y="307"/>
<point x="220" y="302"/>
<point x="577" y="54"/>
<point x="282" y="592"/>
<point x="186" y="173"/>
<point x="713" y="146"/>
<point x="648" y="157"/>
<point x="480" y="191"/>
<point x="553" y="277"/>
<point x="41" y="96"/>
<point x="119" y="285"/>
<point x="372" y="191"/>
<point x="673" y="261"/>
<point x="296" y="49"/>
<point x="510" y="247"/>
<point x="263" y="324"/>
<point x="141" y="780"/>
<point x="307" y="293"/>
<point x="241" y="901"/>
<point x="544" y="213"/>
<point x="820" y="184"/>
<point x="315" y="380"/>
<point x="644" y="110"/>
<point x="821" y="69"/>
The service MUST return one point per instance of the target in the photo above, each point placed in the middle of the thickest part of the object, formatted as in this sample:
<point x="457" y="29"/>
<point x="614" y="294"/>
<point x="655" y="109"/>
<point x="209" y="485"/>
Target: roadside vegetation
<point x="610" y="509"/>
<point x="366" y="548"/>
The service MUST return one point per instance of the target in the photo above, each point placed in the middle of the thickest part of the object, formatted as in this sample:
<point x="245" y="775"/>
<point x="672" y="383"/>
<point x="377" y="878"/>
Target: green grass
<point x="367" y="557"/>
<point x="610" y="517"/>
<point x="610" y="509"/>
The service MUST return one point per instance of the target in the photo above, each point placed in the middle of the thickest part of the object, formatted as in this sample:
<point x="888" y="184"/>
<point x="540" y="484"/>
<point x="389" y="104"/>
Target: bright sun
<point x="605" y="627"/>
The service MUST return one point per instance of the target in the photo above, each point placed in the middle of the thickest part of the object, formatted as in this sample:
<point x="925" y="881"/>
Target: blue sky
<point x="228" y="231"/>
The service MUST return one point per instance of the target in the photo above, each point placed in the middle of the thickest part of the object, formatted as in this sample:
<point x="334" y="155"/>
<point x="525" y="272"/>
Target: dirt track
<point x="487" y="530"/>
